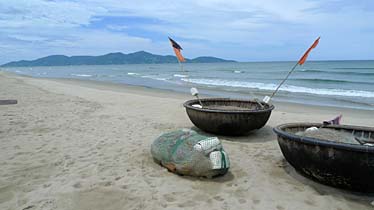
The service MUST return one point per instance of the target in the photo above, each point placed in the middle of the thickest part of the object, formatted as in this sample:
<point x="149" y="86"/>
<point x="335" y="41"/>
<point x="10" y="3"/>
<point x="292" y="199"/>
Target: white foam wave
<point x="288" y="88"/>
<point x="238" y="71"/>
<point x="132" y="73"/>
<point x="82" y="75"/>
<point x="155" y="77"/>
<point x="180" y="75"/>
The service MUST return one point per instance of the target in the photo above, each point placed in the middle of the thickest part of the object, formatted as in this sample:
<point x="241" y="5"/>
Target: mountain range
<point x="117" y="58"/>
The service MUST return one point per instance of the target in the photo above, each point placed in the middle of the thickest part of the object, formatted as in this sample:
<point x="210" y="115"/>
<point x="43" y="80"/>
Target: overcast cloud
<point x="256" y="30"/>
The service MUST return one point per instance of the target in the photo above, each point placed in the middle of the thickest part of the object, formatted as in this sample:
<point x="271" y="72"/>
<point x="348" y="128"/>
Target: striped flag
<point x="305" y="56"/>
<point x="177" y="50"/>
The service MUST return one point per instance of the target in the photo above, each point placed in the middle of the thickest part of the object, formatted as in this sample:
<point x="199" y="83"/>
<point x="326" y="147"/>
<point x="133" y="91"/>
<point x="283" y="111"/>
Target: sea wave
<point x="287" y="88"/>
<point x="180" y="75"/>
<point x="238" y="71"/>
<point x="338" y="72"/>
<point x="82" y="75"/>
<point x="155" y="77"/>
<point x="330" y="81"/>
<point x="364" y="68"/>
<point x="132" y="73"/>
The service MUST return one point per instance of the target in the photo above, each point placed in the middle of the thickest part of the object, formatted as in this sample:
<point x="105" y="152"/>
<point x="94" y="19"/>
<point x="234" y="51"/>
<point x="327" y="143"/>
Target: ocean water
<point x="327" y="83"/>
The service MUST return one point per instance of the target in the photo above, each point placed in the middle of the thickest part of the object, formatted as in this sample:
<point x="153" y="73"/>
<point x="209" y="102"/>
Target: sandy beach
<point x="83" y="145"/>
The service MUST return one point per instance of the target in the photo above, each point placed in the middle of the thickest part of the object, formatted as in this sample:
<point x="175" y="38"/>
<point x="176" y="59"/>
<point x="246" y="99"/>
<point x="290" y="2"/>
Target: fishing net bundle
<point x="186" y="152"/>
<point x="329" y="135"/>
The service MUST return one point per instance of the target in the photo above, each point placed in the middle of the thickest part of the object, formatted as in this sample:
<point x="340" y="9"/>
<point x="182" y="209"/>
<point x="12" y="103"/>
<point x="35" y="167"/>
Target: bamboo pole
<point x="188" y="81"/>
<point x="284" y="80"/>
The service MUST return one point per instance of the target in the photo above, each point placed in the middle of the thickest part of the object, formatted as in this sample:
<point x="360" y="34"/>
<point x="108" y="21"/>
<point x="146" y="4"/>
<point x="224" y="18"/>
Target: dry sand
<point x="83" y="145"/>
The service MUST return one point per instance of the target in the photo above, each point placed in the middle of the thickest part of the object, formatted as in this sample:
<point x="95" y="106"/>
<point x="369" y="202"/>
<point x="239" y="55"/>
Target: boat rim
<point x="188" y="104"/>
<point x="319" y="142"/>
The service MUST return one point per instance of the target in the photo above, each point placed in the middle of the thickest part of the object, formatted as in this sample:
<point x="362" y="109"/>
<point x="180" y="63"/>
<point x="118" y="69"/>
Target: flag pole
<point x="284" y="80"/>
<point x="188" y="80"/>
<point x="177" y="48"/>
<point x="181" y="66"/>
<point x="300" y="62"/>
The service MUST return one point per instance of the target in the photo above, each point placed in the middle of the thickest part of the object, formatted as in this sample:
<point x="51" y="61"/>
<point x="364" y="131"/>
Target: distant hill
<point x="140" y="57"/>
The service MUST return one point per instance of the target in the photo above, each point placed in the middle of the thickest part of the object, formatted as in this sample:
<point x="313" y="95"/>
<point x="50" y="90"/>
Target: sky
<point x="242" y="30"/>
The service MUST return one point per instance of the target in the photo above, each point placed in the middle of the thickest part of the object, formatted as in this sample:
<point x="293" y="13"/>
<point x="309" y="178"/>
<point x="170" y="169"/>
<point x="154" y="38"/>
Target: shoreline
<point x="121" y="87"/>
<point x="86" y="145"/>
<point x="282" y="106"/>
<point x="307" y="88"/>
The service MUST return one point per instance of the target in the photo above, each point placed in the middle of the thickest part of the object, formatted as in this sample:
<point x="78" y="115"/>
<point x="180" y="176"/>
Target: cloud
<point x="238" y="29"/>
<point x="117" y="27"/>
<point x="39" y="13"/>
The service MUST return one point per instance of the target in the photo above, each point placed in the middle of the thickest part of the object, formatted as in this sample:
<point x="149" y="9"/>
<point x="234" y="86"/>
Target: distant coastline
<point x="140" y="57"/>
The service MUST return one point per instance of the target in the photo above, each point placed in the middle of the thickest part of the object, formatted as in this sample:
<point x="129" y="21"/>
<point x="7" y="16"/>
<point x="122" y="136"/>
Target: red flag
<point x="177" y="50"/>
<point x="305" y="56"/>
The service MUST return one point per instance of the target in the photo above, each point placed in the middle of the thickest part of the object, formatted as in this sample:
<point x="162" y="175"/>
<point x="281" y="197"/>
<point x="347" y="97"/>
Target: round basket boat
<point x="348" y="166"/>
<point x="231" y="117"/>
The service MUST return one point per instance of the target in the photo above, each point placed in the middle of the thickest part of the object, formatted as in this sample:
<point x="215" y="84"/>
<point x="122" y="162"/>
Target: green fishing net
<point x="189" y="153"/>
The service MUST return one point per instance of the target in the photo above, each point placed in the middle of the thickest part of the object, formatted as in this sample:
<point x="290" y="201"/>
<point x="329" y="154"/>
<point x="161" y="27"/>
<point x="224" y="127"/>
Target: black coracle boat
<point x="231" y="117"/>
<point x="348" y="166"/>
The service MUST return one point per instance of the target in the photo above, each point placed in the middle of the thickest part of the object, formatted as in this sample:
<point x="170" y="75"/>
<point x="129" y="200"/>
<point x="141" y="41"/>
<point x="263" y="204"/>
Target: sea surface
<point x="327" y="83"/>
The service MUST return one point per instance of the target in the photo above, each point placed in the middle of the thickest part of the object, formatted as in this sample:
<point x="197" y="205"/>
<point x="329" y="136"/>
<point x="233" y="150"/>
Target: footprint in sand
<point x="218" y="198"/>
<point x="47" y="185"/>
<point x="28" y="207"/>
<point x="77" y="185"/>
<point x="107" y="184"/>
<point x="256" y="201"/>
<point x="169" y="198"/>
<point x="279" y="207"/>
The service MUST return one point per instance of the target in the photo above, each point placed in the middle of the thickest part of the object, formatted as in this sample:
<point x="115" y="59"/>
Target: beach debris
<point x="8" y="102"/>
<point x="186" y="152"/>
<point x="197" y="106"/>
<point x="335" y="121"/>
<point x="311" y="130"/>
